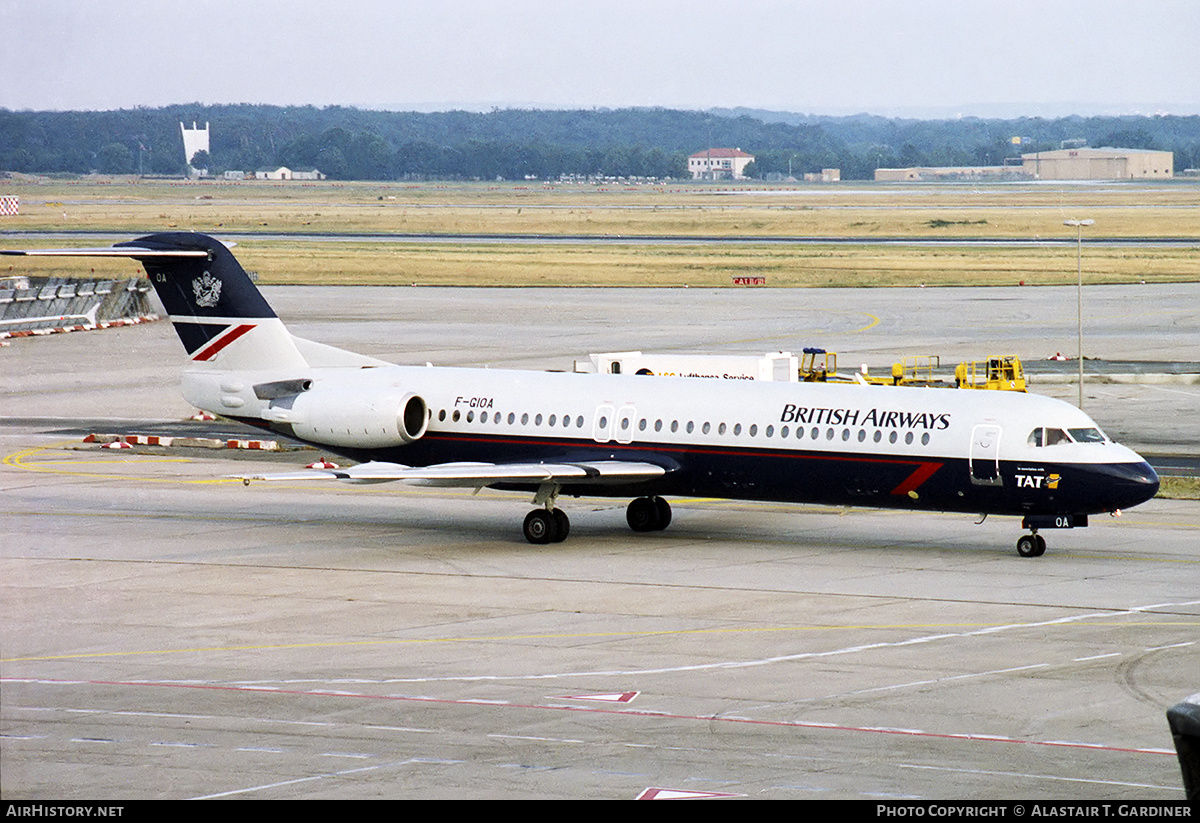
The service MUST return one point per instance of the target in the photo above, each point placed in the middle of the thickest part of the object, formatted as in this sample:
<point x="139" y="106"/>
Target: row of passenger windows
<point x="566" y="421"/>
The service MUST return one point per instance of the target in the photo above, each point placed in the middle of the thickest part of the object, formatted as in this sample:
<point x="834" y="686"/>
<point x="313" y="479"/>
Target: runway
<point x="169" y="633"/>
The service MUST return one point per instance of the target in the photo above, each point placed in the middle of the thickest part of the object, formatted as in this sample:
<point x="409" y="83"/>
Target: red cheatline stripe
<point x="914" y="481"/>
<point x="210" y="351"/>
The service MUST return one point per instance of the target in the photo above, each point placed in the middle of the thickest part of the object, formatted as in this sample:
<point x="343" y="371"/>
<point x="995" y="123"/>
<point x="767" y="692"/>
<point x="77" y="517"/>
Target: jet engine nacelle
<point x="359" y="419"/>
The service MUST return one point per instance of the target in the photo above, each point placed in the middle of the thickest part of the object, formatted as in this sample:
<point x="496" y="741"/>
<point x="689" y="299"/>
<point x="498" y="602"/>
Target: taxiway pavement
<point x="169" y="633"/>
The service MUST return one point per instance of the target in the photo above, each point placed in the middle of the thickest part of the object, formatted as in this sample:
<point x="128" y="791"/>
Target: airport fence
<point x="40" y="304"/>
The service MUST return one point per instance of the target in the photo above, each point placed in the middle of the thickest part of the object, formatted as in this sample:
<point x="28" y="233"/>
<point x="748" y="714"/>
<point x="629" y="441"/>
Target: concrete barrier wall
<point x="49" y="303"/>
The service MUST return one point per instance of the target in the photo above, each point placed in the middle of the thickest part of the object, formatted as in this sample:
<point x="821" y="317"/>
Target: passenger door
<point x="984" y="457"/>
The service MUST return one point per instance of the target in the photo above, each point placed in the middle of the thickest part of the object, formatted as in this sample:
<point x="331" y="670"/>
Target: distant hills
<point x="513" y="144"/>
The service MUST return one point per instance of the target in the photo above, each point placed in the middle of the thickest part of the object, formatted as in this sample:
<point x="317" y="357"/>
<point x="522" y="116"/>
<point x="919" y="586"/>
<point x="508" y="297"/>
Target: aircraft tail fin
<point x="219" y="314"/>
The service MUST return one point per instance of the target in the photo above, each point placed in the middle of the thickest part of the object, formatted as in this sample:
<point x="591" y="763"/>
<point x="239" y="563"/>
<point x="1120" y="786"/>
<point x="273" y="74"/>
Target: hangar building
<point x="1099" y="164"/>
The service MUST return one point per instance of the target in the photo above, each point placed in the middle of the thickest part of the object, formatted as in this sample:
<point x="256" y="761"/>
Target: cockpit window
<point x="1056" y="436"/>
<point x="1048" y="437"/>
<point x="1052" y="437"/>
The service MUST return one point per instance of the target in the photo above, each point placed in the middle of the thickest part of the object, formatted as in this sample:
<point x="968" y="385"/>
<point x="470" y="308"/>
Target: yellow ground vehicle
<point x="1003" y="373"/>
<point x="820" y="366"/>
<point x="998" y="373"/>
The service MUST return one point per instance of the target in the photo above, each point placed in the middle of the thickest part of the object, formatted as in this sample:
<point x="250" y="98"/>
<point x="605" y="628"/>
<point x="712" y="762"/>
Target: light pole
<point x="1079" y="224"/>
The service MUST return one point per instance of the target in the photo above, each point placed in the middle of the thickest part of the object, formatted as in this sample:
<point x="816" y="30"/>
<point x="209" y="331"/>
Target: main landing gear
<point x="648" y="514"/>
<point x="546" y="526"/>
<point x="551" y="525"/>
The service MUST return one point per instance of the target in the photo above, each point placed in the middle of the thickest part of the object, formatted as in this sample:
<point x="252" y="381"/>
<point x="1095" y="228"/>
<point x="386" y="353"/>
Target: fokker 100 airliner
<point x="645" y="437"/>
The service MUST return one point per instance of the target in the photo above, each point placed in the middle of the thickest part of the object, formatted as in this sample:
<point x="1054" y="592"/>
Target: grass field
<point x="1180" y="488"/>
<point x="847" y="210"/>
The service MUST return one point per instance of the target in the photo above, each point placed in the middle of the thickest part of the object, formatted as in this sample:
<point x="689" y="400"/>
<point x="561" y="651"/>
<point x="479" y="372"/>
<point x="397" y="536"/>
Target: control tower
<point x="194" y="140"/>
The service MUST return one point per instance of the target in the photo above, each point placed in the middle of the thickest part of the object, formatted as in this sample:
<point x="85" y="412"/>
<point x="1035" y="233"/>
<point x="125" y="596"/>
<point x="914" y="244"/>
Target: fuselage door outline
<point x="624" y="422"/>
<point x="984" y="458"/>
<point x="602" y="423"/>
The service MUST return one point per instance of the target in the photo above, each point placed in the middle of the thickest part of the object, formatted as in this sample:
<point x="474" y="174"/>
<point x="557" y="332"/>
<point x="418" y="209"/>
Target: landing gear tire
<point x="663" y="511"/>
<point x="544" y="526"/>
<point x="648" y="514"/>
<point x="1031" y="545"/>
<point x="562" y="525"/>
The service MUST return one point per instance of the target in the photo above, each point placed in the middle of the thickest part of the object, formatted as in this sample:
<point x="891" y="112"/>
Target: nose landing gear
<point x="1031" y="545"/>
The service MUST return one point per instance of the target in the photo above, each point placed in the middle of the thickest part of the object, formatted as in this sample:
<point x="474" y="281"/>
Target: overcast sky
<point x="920" y="57"/>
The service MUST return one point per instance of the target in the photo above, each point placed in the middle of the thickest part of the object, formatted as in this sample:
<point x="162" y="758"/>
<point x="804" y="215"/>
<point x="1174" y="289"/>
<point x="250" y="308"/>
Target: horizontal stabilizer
<point x="135" y="252"/>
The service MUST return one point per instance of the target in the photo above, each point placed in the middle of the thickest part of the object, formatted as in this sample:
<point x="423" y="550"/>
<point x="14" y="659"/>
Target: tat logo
<point x="1037" y="481"/>
<point x="207" y="290"/>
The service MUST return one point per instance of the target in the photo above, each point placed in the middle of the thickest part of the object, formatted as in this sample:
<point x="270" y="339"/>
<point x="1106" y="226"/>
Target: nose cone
<point x="1131" y="484"/>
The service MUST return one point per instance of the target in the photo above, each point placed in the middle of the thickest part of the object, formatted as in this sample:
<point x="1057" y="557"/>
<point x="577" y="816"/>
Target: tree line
<point x="514" y="144"/>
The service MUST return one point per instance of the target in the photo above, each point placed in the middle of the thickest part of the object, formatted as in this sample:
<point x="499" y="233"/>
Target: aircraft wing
<point x="478" y="475"/>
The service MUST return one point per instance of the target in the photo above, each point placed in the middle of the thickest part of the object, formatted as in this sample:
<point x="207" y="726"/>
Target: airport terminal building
<point x="719" y="164"/>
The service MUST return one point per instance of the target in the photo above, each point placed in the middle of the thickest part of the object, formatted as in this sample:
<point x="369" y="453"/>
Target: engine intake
<point x="359" y="420"/>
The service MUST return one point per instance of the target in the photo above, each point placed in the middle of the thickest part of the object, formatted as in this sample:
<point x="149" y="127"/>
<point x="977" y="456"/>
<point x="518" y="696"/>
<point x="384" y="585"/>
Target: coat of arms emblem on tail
<point x="207" y="290"/>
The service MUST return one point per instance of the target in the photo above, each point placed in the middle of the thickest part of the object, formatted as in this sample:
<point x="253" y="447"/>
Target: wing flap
<point x="478" y="475"/>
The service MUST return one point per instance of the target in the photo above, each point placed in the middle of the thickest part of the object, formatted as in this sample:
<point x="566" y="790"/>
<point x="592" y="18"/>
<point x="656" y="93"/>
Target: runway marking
<point x="619" y="712"/>
<point x="873" y="322"/>
<point x="981" y="628"/>
<point x="535" y="739"/>
<point x="1025" y="776"/>
<point x="654" y="793"/>
<point x="309" y="779"/>
<point x="17" y="460"/>
<point x="615" y="697"/>
<point x="928" y="682"/>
